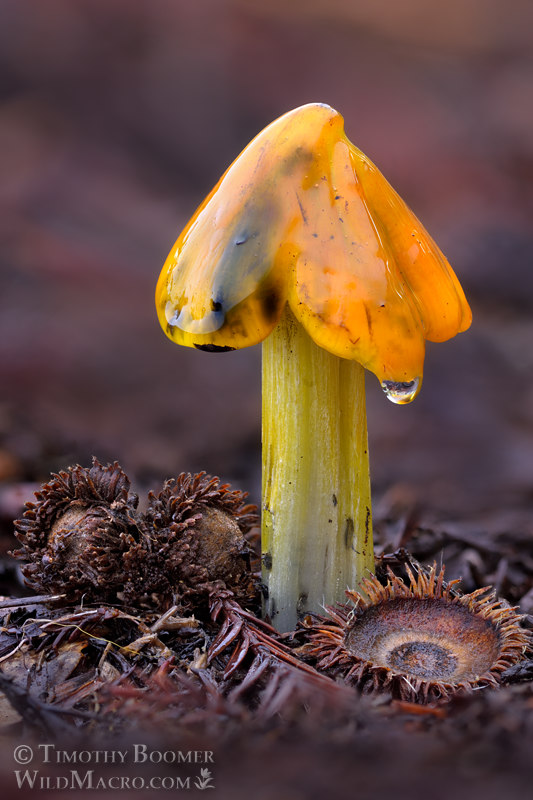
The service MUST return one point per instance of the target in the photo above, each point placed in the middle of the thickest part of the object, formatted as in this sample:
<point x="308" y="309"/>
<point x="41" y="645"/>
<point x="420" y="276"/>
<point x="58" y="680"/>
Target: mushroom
<point x="304" y="246"/>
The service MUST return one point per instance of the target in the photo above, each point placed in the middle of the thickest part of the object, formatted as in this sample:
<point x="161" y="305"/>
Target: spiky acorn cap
<point x="75" y="535"/>
<point x="420" y="641"/>
<point x="83" y="537"/>
<point x="195" y="536"/>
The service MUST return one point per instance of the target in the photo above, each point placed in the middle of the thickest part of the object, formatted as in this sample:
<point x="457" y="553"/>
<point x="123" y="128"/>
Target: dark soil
<point x="115" y="119"/>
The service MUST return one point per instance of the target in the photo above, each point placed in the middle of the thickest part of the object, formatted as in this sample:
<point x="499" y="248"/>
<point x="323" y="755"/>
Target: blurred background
<point x="118" y="116"/>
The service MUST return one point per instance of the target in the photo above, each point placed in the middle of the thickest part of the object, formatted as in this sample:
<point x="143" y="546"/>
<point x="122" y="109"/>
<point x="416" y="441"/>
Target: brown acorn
<point x="419" y="641"/>
<point x="195" y="532"/>
<point x="76" y="534"/>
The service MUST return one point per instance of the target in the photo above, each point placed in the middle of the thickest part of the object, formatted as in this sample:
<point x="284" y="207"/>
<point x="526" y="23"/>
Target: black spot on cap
<point x="270" y="305"/>
<point x="213" y="348"/>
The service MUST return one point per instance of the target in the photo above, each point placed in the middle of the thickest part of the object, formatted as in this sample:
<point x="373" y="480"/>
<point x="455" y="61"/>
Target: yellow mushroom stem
<point x="316" y="518"/>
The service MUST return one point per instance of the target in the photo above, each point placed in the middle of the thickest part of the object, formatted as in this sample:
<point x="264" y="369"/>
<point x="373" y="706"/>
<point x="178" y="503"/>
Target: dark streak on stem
<point x="348" y="533"/>
<point x="367" y="525"/>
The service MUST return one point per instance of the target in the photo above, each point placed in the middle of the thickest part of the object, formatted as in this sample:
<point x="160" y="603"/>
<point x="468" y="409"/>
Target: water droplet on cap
<point x="401" y="393"/>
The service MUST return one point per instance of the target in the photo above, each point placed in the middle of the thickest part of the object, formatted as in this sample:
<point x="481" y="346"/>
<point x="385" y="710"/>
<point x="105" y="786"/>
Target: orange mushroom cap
<point x="303" y="217"/>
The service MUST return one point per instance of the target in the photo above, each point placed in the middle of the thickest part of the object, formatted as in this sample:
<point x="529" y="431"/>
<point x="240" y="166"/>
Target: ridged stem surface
<point x="316" y="518"/>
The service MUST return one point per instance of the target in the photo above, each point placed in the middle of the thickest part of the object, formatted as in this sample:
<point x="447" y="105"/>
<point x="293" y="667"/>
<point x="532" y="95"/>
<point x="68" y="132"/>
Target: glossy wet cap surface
<point x="302" y="216"/>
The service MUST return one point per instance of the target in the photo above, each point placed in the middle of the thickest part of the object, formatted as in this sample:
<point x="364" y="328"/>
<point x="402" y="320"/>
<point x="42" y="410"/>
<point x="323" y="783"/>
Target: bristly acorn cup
<point x="84" y="538"/>
<point x="420" y="640"/>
